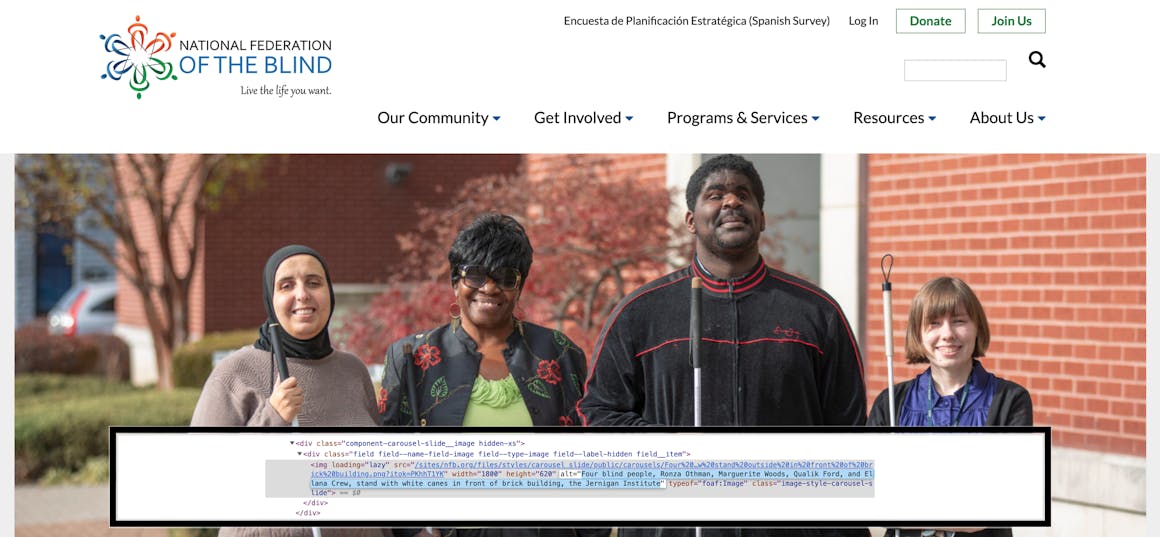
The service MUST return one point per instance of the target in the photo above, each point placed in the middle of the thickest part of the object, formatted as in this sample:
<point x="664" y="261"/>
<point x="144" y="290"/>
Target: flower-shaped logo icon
<point x="137" y="58"/>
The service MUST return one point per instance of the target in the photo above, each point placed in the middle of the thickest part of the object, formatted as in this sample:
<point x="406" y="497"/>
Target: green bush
<point x="63" y="422"/>
<point x="192" y="362"/>
<point x="94" y="472"/>
<point x="48" y="387"/>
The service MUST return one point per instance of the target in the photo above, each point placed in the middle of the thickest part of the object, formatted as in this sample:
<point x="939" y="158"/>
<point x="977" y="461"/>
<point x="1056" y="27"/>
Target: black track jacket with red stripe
<point x="775" y="350"/>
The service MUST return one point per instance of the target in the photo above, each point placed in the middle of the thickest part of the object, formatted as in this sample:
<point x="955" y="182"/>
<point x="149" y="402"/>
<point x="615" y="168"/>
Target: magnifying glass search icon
<point x="1036" y="58"/>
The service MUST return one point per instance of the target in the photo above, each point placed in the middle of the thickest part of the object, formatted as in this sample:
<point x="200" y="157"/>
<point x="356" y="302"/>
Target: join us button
<point x="1012" y="21"/>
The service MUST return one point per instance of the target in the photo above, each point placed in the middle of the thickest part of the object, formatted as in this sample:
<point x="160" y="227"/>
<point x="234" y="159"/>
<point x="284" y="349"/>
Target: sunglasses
<point x="476" y="276"/>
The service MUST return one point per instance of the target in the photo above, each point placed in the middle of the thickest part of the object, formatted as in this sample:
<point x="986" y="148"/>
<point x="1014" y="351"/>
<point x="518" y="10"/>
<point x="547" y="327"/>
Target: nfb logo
<point x="138" y="58"/>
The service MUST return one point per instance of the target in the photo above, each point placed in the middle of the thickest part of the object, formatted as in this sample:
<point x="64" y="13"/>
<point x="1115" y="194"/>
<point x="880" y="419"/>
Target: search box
<point x="955" y="70"/>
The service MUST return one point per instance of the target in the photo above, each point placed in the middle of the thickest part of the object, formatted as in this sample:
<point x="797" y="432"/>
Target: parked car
<point x="87" y="308"/>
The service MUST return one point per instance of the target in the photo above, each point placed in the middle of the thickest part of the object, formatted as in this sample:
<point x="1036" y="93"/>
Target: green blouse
<point x="496" y="403"/>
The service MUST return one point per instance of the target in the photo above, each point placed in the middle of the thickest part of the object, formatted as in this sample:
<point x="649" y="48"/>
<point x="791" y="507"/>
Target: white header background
<point x="1097" y="92"/>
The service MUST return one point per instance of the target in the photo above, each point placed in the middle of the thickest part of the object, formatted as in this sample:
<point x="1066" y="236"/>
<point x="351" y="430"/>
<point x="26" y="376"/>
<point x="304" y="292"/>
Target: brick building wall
<point x="649" y="168"/>
<point x="1054" y="245"/>
<point x="130" y="307"/>
<point x="341" y="205"/>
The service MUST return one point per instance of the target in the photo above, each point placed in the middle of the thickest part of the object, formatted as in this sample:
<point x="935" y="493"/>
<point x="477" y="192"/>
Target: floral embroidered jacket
<point x="440" y="372"/>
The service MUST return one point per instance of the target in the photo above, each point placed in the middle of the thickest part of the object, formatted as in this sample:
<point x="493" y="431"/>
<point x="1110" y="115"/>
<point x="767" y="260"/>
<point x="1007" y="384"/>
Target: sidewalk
<point x="81" y="511"/>
<point x="94" y="528"/>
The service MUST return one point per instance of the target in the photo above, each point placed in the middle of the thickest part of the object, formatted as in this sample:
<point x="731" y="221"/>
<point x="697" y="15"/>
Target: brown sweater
<point x="336" y="391"/>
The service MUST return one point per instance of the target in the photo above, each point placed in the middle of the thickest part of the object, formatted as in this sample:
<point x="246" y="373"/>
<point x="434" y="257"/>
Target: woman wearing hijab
<point x="486" y="367"/>
<point x="325" y="386"/>
<point x="948" y="329"/>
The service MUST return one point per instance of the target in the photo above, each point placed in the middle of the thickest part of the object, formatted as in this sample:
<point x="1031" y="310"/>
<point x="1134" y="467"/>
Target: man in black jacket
<point x="776" y="349"/>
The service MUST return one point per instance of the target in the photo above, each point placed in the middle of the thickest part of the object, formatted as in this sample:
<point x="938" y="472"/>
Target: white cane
<point x="284" y="373"/>
<point x="888" y="324"/>
<point x="695" y="355"/>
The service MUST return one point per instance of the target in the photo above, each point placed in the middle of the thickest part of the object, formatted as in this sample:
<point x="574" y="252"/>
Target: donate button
<point x="931" y="21"/>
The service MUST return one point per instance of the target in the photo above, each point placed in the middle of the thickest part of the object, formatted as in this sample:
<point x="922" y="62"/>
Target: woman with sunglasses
<point x="486" y="366"/>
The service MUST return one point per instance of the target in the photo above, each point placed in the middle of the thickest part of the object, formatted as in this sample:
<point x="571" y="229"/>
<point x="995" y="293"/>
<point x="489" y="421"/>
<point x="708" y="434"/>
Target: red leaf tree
<point x="597" y="235"/>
